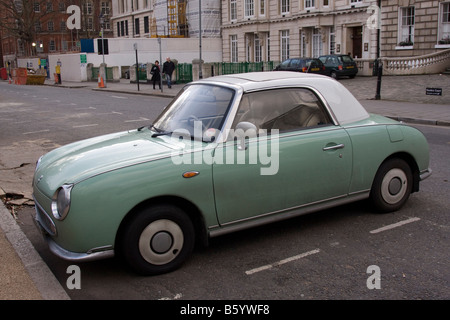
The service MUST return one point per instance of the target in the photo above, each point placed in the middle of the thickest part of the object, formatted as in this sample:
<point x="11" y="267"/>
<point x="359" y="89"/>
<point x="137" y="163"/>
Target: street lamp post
<point x="102" y="21"/>
<point x="200" y="71"/>
<point x="379" y="64"/>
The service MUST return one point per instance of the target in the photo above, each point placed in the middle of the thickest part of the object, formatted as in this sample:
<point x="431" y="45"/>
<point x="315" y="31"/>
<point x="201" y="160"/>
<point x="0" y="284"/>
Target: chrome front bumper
<point x="425" y="174"/>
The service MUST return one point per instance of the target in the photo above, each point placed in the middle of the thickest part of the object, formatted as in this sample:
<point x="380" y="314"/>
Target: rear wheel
<point x="157" y="240"/>
<point x="392" y="185"/>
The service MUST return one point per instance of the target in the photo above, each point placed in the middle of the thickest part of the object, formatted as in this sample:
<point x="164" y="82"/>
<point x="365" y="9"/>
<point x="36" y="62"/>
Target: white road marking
<point x="40" y="131"/>
<point x="141" y="119"/>
<point x="394" y="225"/>
<point x="281" y="262"/>
<point x="119" y="97"/>
<point x="86" y="125"/>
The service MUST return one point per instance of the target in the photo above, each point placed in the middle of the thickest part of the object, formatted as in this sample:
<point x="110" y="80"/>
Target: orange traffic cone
<point x="101" y="84"/>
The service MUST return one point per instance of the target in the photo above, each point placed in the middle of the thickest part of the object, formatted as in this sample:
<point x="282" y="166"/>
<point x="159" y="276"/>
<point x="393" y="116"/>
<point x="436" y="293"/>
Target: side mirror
<point x="244" y="130"/>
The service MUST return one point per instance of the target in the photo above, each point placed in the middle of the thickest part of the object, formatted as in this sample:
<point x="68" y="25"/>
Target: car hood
<point x="81" y="160"/>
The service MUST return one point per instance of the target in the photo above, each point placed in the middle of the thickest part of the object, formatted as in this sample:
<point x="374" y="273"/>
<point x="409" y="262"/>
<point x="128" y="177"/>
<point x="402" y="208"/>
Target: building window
<point x="303" y="44"/>
<point x="284" y="45"/>
<point x="262" y="7"/>
<point x="49" y="7"/>
<point x="37" y="7"/>
<point x="90" y="24"/>
<point x="62" y="7"/>
<point x="37" y="26"/>
<point x="233" y="10"/>
<point x="18" y="5"/>
<point x="136" y="26"/>
<point x="51" y="45"/>
<point x="146" y="25"/>
<point x="444" y="27"/>
<point x="310" y="4"/>
<point x="50" y="26"/>
<point x="258" y="49"/>
<point x="285" y="6"/>
<point x="406" y="28"/>
<point x="105" y="8"/>
<point x="326" y="3"/>
<point x="332" y="41"/>
<point x="234" y="48"/>
<point x="62" y="25"/>
<point x="316" y="43"/>
<point x="126" y="28"/>
<point x="121" y="6"/>
<point x="88" y="7"/>
<point x="249" y="8"/>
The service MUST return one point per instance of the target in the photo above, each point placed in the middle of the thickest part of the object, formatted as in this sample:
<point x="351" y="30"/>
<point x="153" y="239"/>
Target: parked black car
<point x="310" y="65"/>
<point x="339" y="65"/>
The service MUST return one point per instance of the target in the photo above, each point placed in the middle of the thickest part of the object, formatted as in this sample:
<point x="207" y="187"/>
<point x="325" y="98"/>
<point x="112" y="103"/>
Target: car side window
<point x="282" y="109"/>
<point x="295" y="63"/>
<point x="285" y="64"/>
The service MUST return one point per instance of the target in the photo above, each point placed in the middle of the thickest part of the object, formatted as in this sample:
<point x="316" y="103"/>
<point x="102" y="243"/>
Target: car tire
<point x="157" y="240"/>
<point x="334" y="75"/>
<point x="392" y="185"/>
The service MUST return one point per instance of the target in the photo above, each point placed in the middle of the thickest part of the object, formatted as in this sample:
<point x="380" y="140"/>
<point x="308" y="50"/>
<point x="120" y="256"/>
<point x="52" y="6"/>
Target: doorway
<point x="357" y="41"/>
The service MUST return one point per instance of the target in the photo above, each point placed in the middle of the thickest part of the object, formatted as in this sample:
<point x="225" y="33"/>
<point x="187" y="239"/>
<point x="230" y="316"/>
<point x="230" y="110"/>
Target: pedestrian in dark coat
<point x="168" y="68"/>
<point x="156" y="74"/>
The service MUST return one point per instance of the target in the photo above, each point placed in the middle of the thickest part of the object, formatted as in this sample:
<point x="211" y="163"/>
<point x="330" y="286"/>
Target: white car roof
<point x="344" y="105"/>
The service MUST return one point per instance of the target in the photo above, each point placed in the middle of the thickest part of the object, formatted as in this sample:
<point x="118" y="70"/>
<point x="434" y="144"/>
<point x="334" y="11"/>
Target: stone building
<point x="263" y="30"/>
<point x="414" y="27"/>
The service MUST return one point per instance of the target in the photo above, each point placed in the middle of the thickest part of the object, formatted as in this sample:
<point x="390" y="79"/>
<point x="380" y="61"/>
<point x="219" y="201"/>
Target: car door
<point x="309" y="161"/>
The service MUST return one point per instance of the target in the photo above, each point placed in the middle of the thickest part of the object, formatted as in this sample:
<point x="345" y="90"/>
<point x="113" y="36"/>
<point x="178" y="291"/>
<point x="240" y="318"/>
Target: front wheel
<point x="392" y="185"/>
<point x="157" y="240"/>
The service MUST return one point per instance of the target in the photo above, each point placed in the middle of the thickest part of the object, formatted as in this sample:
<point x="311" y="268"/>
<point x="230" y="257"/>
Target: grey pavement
<point x="25" y="276"/>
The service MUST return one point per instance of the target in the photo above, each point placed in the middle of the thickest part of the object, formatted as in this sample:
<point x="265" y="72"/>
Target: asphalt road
<point x="333" y="254"/>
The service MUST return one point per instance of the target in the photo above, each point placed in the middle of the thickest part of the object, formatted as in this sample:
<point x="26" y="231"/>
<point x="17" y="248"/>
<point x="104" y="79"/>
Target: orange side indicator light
<point x="190" y="174"/>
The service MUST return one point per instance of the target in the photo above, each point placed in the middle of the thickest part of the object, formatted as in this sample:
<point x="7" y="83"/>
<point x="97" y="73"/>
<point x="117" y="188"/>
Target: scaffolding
<point x="180" y="18"/>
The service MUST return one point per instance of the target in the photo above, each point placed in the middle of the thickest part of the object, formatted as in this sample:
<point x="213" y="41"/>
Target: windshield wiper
<point x="163" y="133"/>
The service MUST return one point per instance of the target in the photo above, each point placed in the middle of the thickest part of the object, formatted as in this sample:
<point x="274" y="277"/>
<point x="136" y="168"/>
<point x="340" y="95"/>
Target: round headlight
<point x="61" y="201"/>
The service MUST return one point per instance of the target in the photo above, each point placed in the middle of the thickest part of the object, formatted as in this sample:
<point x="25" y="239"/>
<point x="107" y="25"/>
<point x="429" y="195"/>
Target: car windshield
<point x="198" y="110"/>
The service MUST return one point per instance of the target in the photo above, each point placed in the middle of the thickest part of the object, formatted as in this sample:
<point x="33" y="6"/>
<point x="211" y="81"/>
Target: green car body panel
<point x="115" y="175"/>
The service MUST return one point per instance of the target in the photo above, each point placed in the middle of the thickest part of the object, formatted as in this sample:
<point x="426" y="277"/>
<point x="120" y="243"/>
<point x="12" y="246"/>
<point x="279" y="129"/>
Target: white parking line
<point x="281" y="262"/>
<point x="394" y="225"/>
<point x="137" y="120"/>
<point x="119" y="97"/>
<point x="85" y="125"/>
<point x="40" y="131"/>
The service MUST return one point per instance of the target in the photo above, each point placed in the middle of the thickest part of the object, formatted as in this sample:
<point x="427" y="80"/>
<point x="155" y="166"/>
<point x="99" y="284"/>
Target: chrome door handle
<point x="338" y="146"/>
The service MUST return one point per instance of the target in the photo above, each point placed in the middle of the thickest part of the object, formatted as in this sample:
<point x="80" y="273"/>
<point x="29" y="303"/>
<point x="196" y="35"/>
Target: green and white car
<point x="228" y="153"/>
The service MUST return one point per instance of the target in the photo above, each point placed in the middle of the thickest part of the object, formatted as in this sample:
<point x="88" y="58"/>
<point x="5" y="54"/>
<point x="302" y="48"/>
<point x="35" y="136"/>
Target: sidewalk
<point x="403" y="98"/>
<point x="25" y="276"/>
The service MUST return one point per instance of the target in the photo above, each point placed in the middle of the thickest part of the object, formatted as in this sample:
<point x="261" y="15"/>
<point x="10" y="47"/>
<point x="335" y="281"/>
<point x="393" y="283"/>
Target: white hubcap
<point x="394" y="186"/>
<point x="161" y="242"/>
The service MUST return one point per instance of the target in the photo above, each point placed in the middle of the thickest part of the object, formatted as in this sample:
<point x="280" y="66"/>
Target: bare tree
<point x="21" y="19"/>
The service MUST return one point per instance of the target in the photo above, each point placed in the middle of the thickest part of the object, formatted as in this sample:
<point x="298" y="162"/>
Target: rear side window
<point x="283" y="109"/>
<point x="347" y="59"/>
